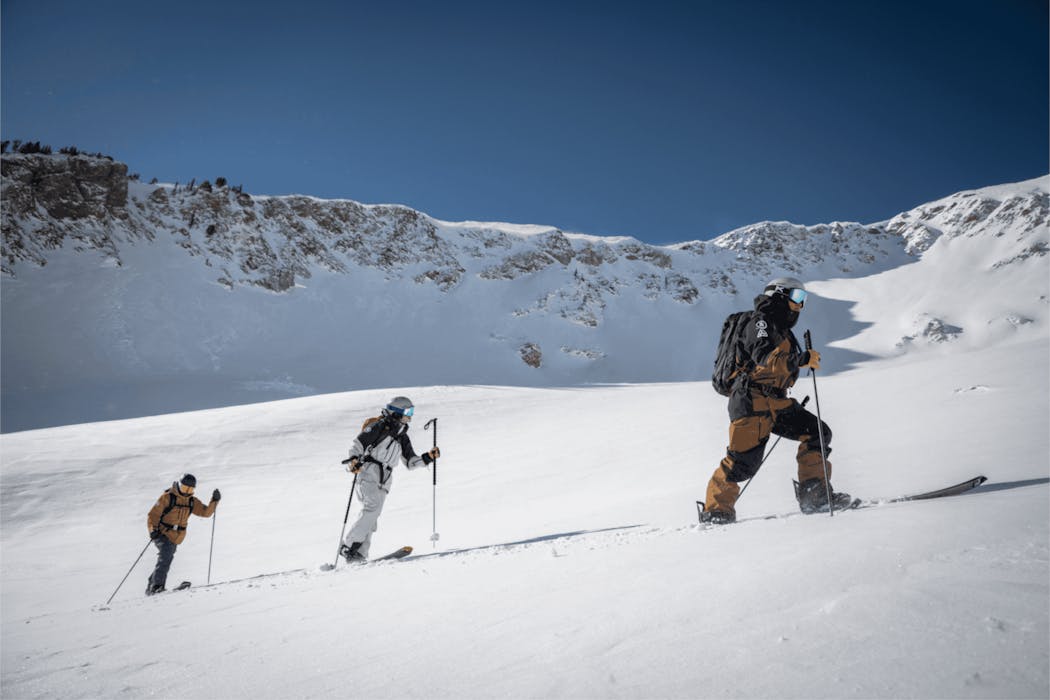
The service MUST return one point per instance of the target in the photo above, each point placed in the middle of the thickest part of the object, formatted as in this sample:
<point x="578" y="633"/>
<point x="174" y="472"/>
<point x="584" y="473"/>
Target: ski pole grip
<point x="808" y="340"/>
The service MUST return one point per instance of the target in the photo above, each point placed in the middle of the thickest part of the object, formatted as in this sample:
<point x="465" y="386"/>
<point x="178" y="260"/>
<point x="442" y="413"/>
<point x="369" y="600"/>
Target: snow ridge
<point x="132" y="284"/>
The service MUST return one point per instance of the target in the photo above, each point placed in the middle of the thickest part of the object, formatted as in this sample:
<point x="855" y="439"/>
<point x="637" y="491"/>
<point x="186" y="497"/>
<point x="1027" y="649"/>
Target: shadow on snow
<point x="518" y="543"/>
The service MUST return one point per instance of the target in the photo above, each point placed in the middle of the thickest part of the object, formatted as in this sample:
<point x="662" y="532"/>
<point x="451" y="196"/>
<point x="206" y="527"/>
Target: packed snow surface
<point x="569" y="562"/>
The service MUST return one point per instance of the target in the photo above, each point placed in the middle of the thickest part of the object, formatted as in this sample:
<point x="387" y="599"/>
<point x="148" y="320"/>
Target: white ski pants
<point x="371" y="497"/>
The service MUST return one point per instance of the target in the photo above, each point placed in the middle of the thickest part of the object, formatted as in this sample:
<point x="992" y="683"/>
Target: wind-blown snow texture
<point x="123" y="299"/>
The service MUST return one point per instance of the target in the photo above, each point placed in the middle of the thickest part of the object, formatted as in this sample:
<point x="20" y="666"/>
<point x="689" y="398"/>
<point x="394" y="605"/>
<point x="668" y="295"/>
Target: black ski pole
<point x="820" y="429"/>
<point x="211" y="547"/>
<point x="129" y="571"/>
<point x="345" y="518"/>
<point x="766" y="456"/>
<point x="435" y="536"/>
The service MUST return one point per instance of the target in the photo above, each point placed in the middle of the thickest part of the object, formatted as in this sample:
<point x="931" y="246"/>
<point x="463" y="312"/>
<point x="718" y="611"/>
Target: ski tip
<point x="980" y="480"/>
<point x="327" y="567"/>
<point x="406" y="549"/>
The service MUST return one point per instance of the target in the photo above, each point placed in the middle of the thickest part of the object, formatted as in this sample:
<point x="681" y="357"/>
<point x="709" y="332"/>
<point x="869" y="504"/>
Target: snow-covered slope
<point x="121" y="298"/>
<point x="581" y="571"/>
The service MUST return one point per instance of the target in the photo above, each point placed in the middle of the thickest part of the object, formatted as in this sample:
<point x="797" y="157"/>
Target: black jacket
<point x="773" y="351"/>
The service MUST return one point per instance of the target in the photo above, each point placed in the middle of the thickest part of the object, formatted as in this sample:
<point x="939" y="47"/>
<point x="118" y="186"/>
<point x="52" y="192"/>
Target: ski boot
<point x="351" y="554"/>
<point x="812" y="497"/>
<point x="153" y="590"/>
<point x="717" y="517"/>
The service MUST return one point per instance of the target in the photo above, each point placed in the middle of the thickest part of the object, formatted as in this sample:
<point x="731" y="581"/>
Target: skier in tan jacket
<point x="167" y="522"/>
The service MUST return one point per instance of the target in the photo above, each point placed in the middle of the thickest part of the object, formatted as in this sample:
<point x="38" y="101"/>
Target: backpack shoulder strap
<point x="372" y="433"/>
<point x="170" y="507"/>
<point x="167" y="509"/>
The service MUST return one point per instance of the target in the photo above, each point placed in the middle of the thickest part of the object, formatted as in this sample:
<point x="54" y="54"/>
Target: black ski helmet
<point x="189" y="480"/>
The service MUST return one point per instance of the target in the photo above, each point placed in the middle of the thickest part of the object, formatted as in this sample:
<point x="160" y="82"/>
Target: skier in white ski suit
<point x="373" y="456"/>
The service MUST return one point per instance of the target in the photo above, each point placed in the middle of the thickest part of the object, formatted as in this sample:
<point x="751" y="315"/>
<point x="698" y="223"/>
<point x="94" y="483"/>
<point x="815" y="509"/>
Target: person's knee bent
<point x="813" y="441"/>
<point x="744" y="464"/>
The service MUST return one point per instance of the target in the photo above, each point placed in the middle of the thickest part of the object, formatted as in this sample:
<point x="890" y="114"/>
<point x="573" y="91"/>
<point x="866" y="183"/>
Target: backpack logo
<point x="761" y="326"/>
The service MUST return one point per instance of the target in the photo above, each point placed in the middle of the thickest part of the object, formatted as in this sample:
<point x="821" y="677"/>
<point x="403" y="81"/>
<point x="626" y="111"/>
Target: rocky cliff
<point x="275" y="242"/>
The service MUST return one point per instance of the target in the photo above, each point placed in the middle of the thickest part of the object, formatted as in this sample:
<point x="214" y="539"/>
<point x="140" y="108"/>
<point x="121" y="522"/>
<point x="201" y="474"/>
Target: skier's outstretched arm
<point x="206" y="511"/>
<point x="414" y="461"/>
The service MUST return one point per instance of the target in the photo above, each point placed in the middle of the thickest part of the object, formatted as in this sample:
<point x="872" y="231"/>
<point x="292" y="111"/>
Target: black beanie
<point x="189" y="480"/>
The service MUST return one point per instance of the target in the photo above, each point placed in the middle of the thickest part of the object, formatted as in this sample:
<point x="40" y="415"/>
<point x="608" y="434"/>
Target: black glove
<point x="215" y="495"/>
<point x="154" y="534"/>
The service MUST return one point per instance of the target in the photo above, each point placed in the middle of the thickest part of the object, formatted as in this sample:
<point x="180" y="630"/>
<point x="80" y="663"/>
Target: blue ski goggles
<point x="798" y="295"/>
<point x="404" y="412"/>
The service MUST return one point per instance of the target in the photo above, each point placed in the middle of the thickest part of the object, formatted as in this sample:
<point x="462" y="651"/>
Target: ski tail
<point x="396" y="554"/>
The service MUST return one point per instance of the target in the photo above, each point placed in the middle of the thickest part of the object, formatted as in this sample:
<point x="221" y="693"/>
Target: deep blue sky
<point x="665" y="121"/>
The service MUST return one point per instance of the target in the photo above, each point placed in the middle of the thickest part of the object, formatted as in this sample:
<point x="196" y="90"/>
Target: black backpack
<point x="731" y="357"/>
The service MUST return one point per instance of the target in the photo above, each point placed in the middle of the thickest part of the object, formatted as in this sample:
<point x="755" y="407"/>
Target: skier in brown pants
<point x="759" y="406"/>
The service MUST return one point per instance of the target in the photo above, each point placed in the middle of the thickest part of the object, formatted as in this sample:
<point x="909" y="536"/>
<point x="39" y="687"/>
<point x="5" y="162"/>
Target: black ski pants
<point x="751" y="434"/>
<point x="165" y="555"/>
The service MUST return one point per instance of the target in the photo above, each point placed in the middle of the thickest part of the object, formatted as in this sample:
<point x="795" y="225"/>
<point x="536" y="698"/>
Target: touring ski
<point x="181" y="587"/>
<point x="961" y="487"/>
<point x="857" y="503"/>
<point x="396" y="554"/>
